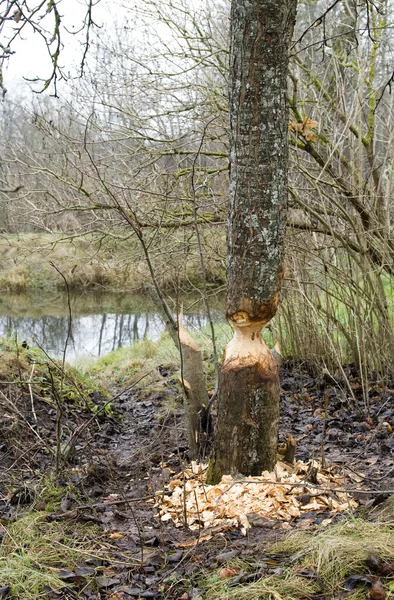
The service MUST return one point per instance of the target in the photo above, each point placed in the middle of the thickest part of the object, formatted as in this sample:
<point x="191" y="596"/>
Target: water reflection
<point x="92" y="335"/>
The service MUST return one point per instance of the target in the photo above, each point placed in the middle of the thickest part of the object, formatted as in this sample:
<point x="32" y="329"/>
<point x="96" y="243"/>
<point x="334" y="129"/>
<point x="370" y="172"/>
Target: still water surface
<point x="101" y="322"/>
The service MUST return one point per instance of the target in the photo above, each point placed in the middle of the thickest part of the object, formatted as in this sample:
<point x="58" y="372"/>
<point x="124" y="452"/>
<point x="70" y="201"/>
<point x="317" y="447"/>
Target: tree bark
<point x="193" y="377"/>
<point x="195" y="388"/>
<point x="248" y="402"/>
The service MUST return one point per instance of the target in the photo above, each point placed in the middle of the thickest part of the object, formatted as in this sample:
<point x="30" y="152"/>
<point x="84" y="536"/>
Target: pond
<point x="101" y="322"/>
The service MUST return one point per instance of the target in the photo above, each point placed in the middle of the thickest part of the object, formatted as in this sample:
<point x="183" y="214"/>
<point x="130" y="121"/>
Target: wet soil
<point x="121" y="462"/>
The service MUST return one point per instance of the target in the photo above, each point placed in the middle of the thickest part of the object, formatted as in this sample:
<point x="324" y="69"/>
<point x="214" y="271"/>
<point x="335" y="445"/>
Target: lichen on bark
<point x="248" y="403"/>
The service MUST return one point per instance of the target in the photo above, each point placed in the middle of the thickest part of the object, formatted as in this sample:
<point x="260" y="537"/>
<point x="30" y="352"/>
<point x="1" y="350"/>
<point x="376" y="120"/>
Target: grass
<point x="33" y="549"/>
<point x="49" y="494"/>
<point x="127" y="364"/>
<point x="89" y="261"/>
<point x="342" y="549"/>
<point x="331" y="554"/>
<point x="26" y="263"/>
<point x="285" y="587"/>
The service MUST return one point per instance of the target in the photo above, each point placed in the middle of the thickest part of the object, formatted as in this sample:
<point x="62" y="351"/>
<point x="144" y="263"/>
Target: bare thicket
<point x="341" y="189"/>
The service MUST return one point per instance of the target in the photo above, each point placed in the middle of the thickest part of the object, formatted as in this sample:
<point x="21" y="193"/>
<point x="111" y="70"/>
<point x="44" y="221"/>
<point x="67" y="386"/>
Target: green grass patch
<point x="127" y="364"/>
<point x="49" y="493"/>
<point x="145" y="356"/>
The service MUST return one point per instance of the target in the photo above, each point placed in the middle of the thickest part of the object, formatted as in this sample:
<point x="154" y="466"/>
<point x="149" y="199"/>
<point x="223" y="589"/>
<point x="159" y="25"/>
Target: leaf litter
<point x="283" y="495"/>
<point x="123" y="465"/>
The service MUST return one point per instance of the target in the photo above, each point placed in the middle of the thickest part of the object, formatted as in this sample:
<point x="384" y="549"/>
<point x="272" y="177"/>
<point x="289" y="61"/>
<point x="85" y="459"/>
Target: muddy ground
<point x="119" y="462"/>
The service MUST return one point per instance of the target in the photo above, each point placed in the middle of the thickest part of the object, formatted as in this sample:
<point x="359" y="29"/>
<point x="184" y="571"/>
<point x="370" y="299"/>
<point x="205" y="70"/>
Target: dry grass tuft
<point x="33" y="550"/>
<point x="327" y="558"/>
<point x="342" y="549"/>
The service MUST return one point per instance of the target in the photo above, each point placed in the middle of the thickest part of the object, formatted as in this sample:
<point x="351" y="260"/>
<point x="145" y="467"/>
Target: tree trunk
<point x="195" y="388"/>
<point x="248" y="402"/>
<point x="193" y="377"/>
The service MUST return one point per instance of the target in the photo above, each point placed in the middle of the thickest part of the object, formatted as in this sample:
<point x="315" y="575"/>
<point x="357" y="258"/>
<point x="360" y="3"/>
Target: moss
<point x="49" y="493"/>
<point x="214" y="475"/>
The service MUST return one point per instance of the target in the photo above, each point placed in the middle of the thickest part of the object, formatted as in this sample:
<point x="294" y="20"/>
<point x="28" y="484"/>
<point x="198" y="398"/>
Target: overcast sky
<point x="31" y="56"/>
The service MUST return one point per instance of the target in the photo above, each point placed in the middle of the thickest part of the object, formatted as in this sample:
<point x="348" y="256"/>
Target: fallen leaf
<point x="377" y="591"/>
<point x="372" y="562"/>
<point x="116" y="535"/>
<point x="228" y="572"/>
<point x="106" y="582"/>
<point x="356" y="580"/>
<point x="386" y="568"/>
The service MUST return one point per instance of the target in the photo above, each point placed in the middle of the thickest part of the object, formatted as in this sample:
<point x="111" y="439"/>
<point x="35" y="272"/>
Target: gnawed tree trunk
<point x="248" y="403"/>
<point x="195" y="387"/>
<point x="192" y="376"/>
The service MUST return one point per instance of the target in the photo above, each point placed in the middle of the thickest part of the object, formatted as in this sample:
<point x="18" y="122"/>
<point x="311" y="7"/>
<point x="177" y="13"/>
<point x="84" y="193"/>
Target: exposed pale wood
<point x="192" y="376"/>
<point x="291" y="445"/>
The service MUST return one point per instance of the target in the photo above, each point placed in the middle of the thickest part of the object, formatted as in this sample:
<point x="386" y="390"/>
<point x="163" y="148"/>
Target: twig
<point x="203" y="274"/>
<point x="71" y="514"/>
<point x="31" y="392"/>
<point x="11" y="190"/>
<point x="318" y="21"/>
<point x="62" y="371"/>
<point x="388" y="85"/>
<point x="184" y="557"/>
<point x="323" y="433"/>
<point x="59" y="397"/>
<point x="17" y="411"/>
<point x="69" y="324"/>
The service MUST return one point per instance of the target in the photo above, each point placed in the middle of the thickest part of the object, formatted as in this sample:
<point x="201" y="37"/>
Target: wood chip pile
<point x="283" y="495"/>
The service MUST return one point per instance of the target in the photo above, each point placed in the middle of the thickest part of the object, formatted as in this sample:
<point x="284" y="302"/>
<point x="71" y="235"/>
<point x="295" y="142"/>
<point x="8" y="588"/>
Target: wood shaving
<point x="188" y="500"/>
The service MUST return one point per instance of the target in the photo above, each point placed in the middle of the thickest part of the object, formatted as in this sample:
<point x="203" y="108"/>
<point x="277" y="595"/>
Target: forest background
<point x="131" y="163"/>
